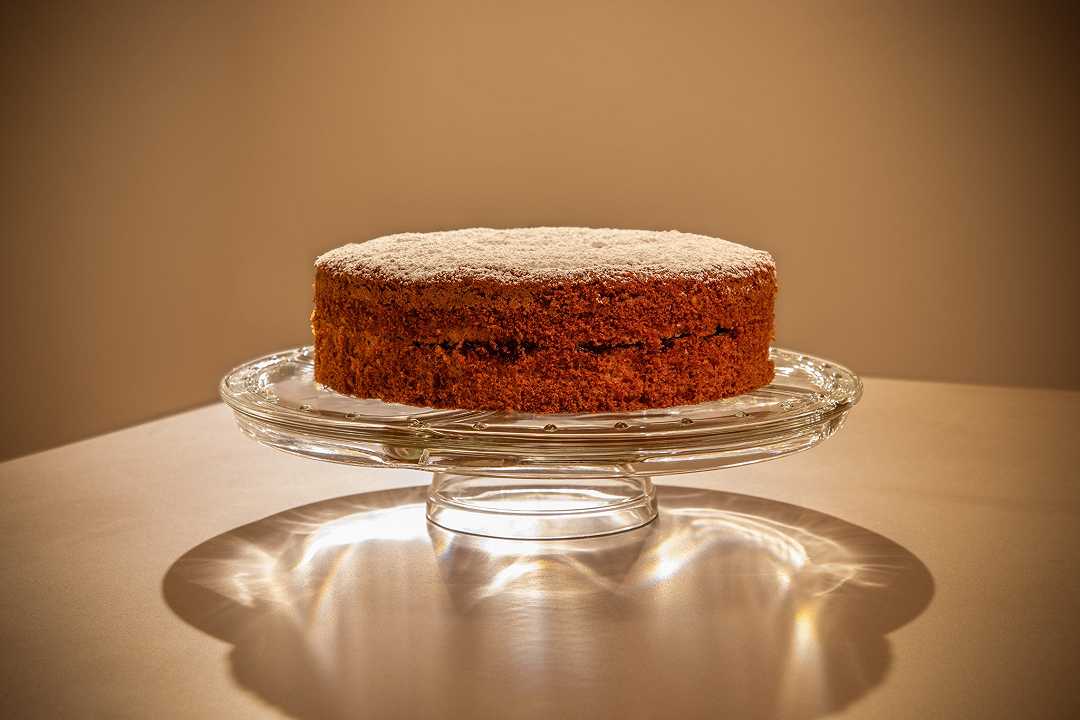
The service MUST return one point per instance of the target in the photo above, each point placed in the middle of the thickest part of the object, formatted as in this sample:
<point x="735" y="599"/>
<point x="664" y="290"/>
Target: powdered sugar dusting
<point x="545" y="254"/>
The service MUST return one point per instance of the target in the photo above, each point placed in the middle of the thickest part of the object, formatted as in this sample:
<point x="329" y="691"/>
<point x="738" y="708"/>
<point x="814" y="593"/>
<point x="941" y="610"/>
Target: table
<point x="177" y="569"/>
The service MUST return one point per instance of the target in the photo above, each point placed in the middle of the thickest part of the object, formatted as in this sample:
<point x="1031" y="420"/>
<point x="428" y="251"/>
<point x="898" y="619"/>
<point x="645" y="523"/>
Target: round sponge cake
<point x="544" y="320"/>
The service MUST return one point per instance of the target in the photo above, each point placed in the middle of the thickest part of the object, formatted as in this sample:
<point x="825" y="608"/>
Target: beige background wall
<point x="170" y="171"/>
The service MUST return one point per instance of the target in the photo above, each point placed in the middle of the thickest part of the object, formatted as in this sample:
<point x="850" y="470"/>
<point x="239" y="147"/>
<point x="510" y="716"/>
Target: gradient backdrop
<point x="170" y="170"/>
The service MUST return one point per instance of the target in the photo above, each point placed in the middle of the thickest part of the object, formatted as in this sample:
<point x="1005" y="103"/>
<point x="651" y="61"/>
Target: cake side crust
<point x="614" y="311"/>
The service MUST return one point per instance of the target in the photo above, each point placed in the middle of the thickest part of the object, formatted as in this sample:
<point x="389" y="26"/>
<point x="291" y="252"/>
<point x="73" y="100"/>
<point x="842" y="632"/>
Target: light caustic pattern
<point x="726" y="603"/>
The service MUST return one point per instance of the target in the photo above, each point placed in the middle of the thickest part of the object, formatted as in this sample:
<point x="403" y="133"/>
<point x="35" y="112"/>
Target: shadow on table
<point x="728" y="605"/>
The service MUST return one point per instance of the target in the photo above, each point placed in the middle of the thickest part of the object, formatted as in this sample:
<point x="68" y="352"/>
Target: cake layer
<point x="681" y="371"/>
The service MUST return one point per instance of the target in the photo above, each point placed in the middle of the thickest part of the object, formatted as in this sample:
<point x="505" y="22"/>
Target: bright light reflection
<point x="804" y="690"/>
<point x="817" y="564"/>
<point x="805" y="632"/>
<point x="406" y="522"/>
<point x="509" y="574"/>
<point x="536" y="569"/>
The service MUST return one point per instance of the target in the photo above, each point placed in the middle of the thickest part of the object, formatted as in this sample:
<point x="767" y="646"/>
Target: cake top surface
<point x="545" y="254"/>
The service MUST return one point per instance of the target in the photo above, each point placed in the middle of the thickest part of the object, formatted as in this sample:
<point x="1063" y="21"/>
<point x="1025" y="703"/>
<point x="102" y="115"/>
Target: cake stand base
<point x="540" y="509"/>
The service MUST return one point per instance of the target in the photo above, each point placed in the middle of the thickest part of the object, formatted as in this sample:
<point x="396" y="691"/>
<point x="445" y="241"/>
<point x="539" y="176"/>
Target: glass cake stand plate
<point x="515" y="475"/>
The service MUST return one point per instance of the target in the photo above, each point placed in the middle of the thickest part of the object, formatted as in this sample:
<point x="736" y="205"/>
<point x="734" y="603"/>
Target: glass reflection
<point x="726" y="605"/>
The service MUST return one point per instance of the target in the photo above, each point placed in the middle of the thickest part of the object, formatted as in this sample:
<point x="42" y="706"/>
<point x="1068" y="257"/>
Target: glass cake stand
<point x="513" y="475"/>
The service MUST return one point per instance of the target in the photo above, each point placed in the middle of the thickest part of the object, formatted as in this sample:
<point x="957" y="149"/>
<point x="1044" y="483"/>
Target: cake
<point x="544" y="320"/>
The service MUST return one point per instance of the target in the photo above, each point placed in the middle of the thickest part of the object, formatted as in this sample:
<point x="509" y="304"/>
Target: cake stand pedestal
<point x="531" y="508"/>
<point x="513" y="475"/>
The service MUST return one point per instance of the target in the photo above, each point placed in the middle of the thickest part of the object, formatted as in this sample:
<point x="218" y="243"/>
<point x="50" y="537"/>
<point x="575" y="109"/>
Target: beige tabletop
<point x="922" y="563"/>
